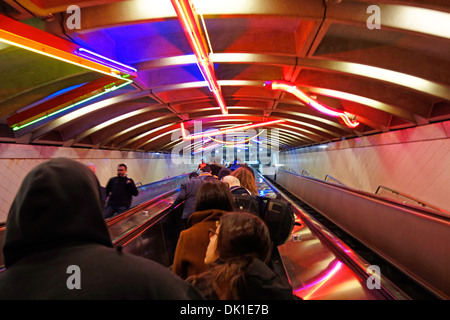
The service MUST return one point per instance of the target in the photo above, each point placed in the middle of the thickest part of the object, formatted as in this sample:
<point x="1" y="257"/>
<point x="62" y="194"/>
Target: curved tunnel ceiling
<point x="386" y="79"/>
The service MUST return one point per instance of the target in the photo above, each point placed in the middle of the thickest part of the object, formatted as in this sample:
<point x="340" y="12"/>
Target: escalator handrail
<point x="145" y="186"/>
<point x="134" y="210"/>
<point x="420" y="202"/>
<point x="358" y="264"/>
<point x="129" y="236"/>
<point x="419" y="210"/>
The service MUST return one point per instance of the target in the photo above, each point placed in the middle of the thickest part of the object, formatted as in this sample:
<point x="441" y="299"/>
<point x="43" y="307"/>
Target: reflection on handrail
<point x="306" y="173"/>
<point x="421" y="203"/>
<point x="151" y="190"/>
<point x="165" y="180"/>
<point x="316" y="284"/>
<point x="330" y="177"/>
<point x="136" y="218"/>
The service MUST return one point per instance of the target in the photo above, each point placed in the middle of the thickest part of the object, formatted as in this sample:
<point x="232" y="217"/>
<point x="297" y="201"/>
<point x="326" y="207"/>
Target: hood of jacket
<point x="58" y="203"/>
<point x="204" y="216"/>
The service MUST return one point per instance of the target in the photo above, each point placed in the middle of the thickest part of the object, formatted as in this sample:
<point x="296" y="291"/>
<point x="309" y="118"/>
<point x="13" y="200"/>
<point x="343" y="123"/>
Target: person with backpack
<point x="243" y="199"/>
<point x="235" y="186"/>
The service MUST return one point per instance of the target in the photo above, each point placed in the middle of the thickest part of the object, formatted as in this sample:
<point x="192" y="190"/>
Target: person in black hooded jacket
<point x="57" y="244"/>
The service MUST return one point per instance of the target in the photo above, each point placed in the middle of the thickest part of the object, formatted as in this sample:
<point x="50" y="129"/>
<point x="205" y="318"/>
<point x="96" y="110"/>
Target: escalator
<point x="316" y="267"/>
<point x="397" y="284"/>
<point x="407" y="244"/>
<point x="315" y="261"/>
<point x="320" y="266"/>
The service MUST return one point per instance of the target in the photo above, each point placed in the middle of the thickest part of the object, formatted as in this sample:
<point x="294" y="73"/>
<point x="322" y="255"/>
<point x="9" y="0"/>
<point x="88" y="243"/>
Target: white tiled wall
<point x="413" y="161"/>
<point x="17" y="160"/>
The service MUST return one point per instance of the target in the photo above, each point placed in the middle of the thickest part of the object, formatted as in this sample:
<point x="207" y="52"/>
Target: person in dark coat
<point x="223" y="172"/>
<point x="57" y="244"/>
<point x="119" y="192"/>
<point x="188" y="194"/>
<point x="237" y="256"/>
<point x="206" y="174"/>
<point x="215" y="169"/>
<point x="213" y="200"/>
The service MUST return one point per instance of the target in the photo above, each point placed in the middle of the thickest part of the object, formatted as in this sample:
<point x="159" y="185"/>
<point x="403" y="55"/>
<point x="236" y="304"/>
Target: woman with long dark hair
<point x="237" y="255"/>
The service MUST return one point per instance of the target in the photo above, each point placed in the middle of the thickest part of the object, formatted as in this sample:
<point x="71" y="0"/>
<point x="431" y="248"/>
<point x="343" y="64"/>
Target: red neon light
<point x="223" y="131"/>
<point x="189" y="21"/>
<point x="289" y="87"/>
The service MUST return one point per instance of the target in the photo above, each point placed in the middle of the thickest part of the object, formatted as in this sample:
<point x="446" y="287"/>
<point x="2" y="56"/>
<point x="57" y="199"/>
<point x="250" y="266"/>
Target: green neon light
<point x="106" y="89"/>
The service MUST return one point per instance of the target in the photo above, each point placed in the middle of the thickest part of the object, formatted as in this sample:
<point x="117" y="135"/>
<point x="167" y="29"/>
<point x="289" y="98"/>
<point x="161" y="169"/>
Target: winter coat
<point x="120" y="191"/>
<point x="193" y="242"/>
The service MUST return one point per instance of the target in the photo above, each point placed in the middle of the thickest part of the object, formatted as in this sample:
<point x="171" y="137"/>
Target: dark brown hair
<point x="214" y="194"/>
<point x="243" y="234"/>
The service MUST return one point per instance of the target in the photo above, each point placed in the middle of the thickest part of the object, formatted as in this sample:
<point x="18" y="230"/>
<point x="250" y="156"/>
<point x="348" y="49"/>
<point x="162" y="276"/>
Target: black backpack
<point x="279" y="218"/>
<point x="246" y="203"/>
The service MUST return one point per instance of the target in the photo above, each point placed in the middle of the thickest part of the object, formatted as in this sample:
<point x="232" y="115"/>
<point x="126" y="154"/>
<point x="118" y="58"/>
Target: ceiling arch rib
<point x="374" y="103"/>
<point x="223" y="83"/>
<point x="160" y="90"/>
<point x="398" y="78"/>
<point x="389" y="79"/>
<point x="133" y="113"/>
<point x="139" y="119"/>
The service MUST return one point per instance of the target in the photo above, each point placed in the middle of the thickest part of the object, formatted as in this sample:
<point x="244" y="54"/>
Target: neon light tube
<point x="240" y="141"/>
<point x="189" y="21"/>
<point x="45" y="50"/>
<point x="292" y="89"/>
<point x="104" y="60"/>
<point x="223" y="131"/>
<point x="29" y="38"/>
<point x="105" y="90"/>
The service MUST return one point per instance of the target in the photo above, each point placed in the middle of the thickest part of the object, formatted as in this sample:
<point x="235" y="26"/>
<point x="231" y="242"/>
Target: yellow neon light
<point x="34" y="46"/>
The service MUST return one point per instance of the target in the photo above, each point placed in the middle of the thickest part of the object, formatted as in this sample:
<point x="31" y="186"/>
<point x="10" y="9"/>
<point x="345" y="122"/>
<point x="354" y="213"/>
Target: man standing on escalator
<point x="119" y="192"/>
